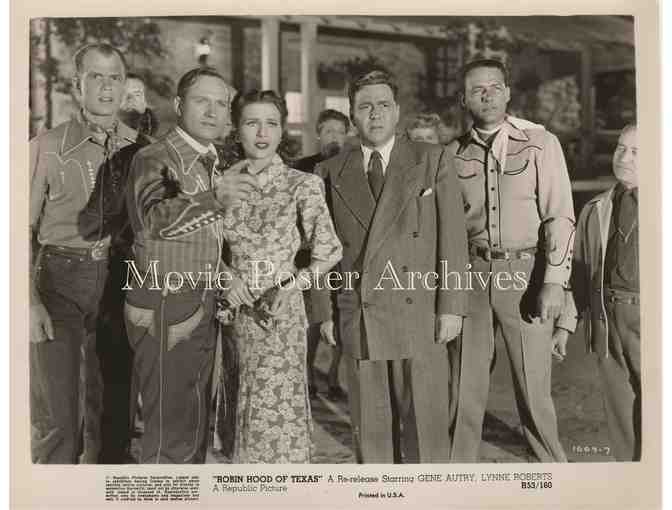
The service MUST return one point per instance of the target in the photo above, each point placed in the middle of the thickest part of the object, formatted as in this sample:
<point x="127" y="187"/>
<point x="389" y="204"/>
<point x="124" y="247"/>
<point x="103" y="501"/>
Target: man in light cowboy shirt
<point x="520" y="219"/>
<point x="176" y="199"/>
<point x="70" y="166"/>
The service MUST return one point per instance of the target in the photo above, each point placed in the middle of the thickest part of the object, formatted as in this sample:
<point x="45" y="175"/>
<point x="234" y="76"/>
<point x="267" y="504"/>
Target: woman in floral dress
<point x="286" y="211"/>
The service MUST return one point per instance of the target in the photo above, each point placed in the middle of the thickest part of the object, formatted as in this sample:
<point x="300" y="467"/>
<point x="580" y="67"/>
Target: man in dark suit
<point x="332" y="130"/>
<point x="397" y="209"/>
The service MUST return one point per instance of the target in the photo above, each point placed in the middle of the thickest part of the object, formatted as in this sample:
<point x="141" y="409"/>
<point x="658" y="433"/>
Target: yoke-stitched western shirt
<point x="66" y="164"/>
<point x="173" y="210"/>
<point x="515" y="188"/>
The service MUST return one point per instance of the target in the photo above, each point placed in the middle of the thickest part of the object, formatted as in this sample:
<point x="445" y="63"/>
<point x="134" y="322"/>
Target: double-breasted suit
<point x="397" y="253"/>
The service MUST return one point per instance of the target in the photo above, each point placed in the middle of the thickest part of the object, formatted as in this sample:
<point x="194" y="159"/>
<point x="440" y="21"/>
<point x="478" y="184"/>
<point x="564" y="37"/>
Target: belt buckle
<point x="500" y="254"/>
<point x="524" y="255"/>
<point x="98" y="253"/>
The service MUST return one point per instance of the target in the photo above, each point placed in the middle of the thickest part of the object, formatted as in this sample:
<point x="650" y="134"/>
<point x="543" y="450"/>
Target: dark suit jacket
<point x="417" y="224"/>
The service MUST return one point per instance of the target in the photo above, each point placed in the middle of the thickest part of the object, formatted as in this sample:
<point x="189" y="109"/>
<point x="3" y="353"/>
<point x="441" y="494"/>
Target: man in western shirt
<point x="70" y="166"/>
<point x="176" y="200"/>
<point x="520" y="223"/>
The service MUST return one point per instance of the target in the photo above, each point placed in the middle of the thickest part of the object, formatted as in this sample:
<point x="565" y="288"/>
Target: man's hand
<point x="551" y="301"/>
<point x="448" y="327"/>
<point x="327" y="332"/>
<point x="239" y="294"/>
<point x="559" y="341"/>
<point x="41" y="328"/>
<point x="234" y="185"/>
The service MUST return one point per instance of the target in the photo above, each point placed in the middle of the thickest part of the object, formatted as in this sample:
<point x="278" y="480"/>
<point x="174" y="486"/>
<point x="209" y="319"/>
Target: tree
<point x="138" y="38"/>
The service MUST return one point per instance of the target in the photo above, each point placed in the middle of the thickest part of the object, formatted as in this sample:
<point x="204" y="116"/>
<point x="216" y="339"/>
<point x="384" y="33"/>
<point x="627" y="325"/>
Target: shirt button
<point x="404" y="269"/>
<point x="494" y="208"/>
<point x="365" y="305"/>
<point x="415" y="234"/>
<point x="409" y="300"/>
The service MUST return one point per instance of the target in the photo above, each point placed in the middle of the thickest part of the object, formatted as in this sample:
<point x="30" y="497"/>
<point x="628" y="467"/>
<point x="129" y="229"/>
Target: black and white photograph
<point x="405" y="242"/>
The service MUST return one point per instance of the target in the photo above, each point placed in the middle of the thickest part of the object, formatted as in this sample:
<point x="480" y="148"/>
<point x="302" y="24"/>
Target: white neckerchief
<point x="196" y="145"/>
<point x="500" y="144"/>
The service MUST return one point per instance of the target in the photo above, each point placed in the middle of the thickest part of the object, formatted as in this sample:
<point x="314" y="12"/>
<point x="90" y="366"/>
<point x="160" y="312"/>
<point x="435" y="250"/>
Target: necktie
<point x="627" y="214"/>
<point x="375" y="174"/>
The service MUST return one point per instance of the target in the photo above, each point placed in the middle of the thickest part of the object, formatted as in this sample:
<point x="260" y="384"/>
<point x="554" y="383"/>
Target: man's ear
<point x="177" y="106"/>
<point x="77" y="84"/>
<point x="462" y="100"/>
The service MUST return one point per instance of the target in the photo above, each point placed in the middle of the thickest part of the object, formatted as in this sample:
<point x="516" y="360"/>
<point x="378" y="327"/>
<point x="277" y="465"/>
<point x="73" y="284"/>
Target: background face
<point x="101" y="83"/>
<point x="625" y="159"/>
<point x="134" y="96"/>
<point x="424" y="134"/>
<point x="204" y="110"/>
<point x="376" y="114"/>
<point x="332" y="136"/>
<point x="260" y="130"/>
<point x="486" y="96"/>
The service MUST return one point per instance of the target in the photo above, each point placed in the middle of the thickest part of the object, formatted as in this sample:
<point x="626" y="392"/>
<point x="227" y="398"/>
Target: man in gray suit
<point x="398" y="211"/>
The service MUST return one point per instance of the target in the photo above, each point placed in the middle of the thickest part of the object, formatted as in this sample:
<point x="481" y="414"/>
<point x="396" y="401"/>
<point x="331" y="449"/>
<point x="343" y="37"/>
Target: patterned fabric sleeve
<point x="316" y="225"/>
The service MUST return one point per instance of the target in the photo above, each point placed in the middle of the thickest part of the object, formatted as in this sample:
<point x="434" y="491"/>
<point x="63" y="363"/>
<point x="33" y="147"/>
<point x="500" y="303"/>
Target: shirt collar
<point x="384" y="151"/>
<point x="196" y="145"/>
<point x="620" y="190"/>
<point x="513" y="126"/>
<point x="77" y="132"/>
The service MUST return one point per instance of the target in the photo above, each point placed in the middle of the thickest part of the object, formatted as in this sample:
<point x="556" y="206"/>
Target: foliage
<point x="138" y="38"/>
<point x="337" y="74"/>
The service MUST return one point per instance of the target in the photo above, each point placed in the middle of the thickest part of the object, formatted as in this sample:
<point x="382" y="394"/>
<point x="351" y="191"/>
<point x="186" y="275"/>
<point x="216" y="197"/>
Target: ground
<point x="576" y="393"/>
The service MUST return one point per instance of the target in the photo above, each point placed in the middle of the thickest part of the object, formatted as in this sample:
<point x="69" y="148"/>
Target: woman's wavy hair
<point x="231" y="151"/>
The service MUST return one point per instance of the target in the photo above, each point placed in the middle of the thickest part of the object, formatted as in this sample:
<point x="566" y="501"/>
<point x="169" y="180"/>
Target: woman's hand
<point x="239" y="294"/>
<point x="281" y="301"/>
<point x="234" y="184"/>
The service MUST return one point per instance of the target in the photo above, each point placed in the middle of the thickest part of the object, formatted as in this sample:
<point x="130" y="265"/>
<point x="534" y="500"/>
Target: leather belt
<point x="94" y="253"/>
<point x="495" y="254"/>
<point x="621" y="296"/>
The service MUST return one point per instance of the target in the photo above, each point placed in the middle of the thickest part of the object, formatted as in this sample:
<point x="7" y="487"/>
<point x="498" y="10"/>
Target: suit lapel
<point x="397" y="190"/>
<point x="353" y="187"/>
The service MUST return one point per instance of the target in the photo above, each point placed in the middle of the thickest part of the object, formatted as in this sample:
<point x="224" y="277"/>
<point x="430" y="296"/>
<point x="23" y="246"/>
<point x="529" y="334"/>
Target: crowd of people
<point x="130" y="230"/>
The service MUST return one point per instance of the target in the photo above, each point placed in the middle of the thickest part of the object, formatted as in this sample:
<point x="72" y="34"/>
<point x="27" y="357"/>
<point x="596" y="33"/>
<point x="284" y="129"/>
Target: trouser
<point x="313" y="337"/>
<point x="499" y="308"/>
<point x="116" y="363"/>
<point x="65" y="372"/>
<point x="399" y="408"/>
<point x="173" y="336"/>
<point x="620" y="375"/>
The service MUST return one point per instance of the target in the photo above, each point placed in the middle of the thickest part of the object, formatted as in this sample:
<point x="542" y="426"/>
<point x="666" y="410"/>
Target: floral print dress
<point x="286" y="212"/>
